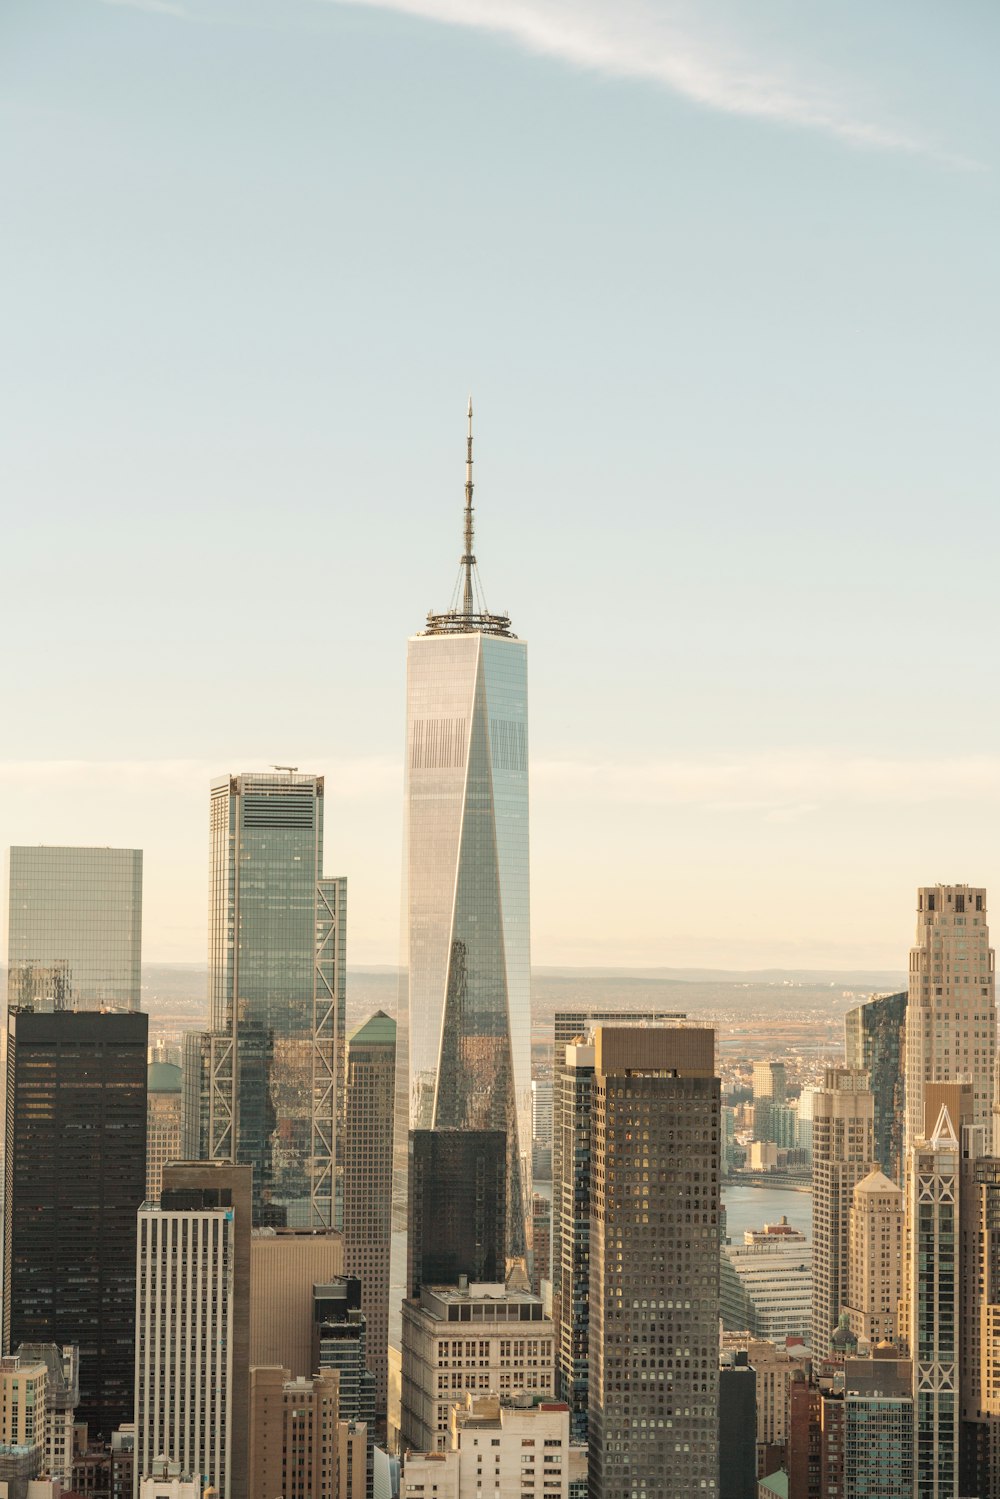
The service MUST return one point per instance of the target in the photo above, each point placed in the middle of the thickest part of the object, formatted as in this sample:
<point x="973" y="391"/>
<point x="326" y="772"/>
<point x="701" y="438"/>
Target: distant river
<point x="752" y="1207"/>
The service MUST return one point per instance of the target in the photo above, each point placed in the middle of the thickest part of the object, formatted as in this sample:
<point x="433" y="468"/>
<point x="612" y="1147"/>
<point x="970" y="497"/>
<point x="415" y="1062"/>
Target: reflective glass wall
<point x="463" y="1045"/>
<point x="276" y="994"/>
<point x="74" y="928"/>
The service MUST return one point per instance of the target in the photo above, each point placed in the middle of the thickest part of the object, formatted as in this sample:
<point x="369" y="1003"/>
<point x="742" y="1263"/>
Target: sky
<point x="722" y="281"/>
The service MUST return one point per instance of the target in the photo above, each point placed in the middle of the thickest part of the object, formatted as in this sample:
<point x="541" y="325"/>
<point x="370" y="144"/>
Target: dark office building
<point x="737" y="1429"/>
<point x="75" y="1176"/>
<point x="875" y="1035"/>
<point x="340" y="1341"/>
<point x="458" y="1199"/>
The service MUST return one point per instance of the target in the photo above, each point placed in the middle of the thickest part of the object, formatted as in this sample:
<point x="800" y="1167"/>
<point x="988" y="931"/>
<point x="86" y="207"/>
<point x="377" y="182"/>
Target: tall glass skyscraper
<point x="275" y="1051"/>
<point x="464" y="1035"/>
<point x="74" y="928"/>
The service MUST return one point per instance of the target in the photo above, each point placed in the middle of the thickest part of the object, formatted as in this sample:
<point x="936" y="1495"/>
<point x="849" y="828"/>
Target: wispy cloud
<point x="155" y="7"/>
<point x="670" y="44"/>
<point x="784" y="785"/>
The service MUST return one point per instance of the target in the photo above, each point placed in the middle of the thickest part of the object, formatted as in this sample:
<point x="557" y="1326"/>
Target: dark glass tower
<point x="75" y="1177"/>
<point x="275" y="1053"/>
<point x="458" y="1194"/>
<point x="371" y="1063"/>
<point x="875" y="1034"/>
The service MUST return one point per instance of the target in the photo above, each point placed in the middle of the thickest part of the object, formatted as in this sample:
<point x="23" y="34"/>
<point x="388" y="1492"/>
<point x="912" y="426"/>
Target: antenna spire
<point x="468" y="560"/>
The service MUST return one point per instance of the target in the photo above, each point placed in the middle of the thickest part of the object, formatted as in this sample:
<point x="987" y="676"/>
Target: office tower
<point x="766" y="1283"/>
<point x="979" y="1340"/>
<point x="573" y="1091"/>
<point x="74" y="928"/>
<point x="458" y="1203"/>
<point x="951" y="1018"/>
<point x="486" y="1339"/>
<point x="163" y="1123"/>
<point x="285" y="1265"/>
<point x="769" y="1094"/>
<point x="75" y="1174"/>
<point x="192" y="1319"/>
<point x="541" y="1239"/>
<point x="293" y="1451"/>
<point x="276" y="979"/>
<point x="654" y="1263"/>
<point x="464" y="1040"/>
<point x="875" y="1043"/>
<point x="934" y="1305"/>
<point x="340" y="1341"/>
<point x="62" y="1394"/>
<point x="843" y="1146"/>
<point x="737" y="1427"/>
<point x="875" y="1259"/>
<point x="878" y="1428"/>
<point x="804" y="1122"/>
<point x="541" y="1110"/>
<point x="371" y="1063"/>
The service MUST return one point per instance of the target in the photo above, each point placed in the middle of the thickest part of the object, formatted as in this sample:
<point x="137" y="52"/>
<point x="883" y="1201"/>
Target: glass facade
<point x="74" y="1179"/>
<point x="277" y="933"/>
<point x="74" y="928"/>
<point x="463" y="1053"/>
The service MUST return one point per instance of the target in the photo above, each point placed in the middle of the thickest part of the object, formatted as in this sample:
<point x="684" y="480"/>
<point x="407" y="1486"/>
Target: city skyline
<point x="724" y="435"/>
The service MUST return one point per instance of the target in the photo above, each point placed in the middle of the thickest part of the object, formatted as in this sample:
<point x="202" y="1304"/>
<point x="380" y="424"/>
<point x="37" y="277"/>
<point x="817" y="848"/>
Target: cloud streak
<point x="786" y="784"/>
<point x="668" y="44"/>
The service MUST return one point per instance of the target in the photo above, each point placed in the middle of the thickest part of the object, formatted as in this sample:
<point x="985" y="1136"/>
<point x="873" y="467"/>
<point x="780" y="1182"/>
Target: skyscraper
<point x="276" y="975"/>
<point x="874" y="1035"/>
<point x="371" y="1065"/>
<point x="654" y="1281"/>
<point x="463" y="1057"/>
<point x="843" y="1147"/>
<point x="458" y="1197"/>
<point x="74" y="928"/>
<point x="192" y="1316"/>
<point x="979" y="1339"/>
<point x="75" y="1175"/>
<point x="875" y="1259"/>
<point x="951" y="1019"/>
<point x="934" y="1305"/>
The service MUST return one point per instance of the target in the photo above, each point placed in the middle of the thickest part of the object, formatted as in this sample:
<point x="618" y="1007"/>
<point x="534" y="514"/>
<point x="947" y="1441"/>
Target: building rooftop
<point x="776" y="1483"/>
<point x="877" y="1181"/>
<point x="163" y="1077"/>
<point x="378" y="1030"/>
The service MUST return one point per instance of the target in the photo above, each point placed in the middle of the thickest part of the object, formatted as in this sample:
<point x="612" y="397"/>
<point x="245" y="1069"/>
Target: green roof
<point x="163" y="1077"/>
<point x="378" y="1030"/>
<point x="776" y="1483"/>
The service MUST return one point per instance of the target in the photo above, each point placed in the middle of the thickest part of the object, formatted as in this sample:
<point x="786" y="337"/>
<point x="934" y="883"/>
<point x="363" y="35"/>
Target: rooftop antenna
<point x="468" y="561"/>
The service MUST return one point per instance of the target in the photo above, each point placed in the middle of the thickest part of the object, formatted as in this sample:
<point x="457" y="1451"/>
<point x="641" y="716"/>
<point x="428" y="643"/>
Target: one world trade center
<point x="464" y="1033"/>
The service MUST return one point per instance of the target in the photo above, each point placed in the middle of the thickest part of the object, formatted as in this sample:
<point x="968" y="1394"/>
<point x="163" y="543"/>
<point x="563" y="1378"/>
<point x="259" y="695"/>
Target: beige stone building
<point x="951" y="1020"/>
<point x="875" y="1259"/>
<point x="480" y="1339"/>
<point x="509" y="1449"/>
<point x="843" y="1144"/>
<point x="23" y="1402"/>
<point x="293" y="1429"/>
<point x="285" y="1264"/>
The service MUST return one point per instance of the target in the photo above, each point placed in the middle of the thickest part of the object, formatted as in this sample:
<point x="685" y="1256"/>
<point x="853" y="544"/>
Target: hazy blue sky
<point x="723" y="281"/>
